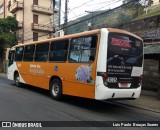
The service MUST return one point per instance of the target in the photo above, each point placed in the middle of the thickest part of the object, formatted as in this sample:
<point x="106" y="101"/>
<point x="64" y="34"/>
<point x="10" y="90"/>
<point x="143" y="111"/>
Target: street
<point x="32" y="104"/>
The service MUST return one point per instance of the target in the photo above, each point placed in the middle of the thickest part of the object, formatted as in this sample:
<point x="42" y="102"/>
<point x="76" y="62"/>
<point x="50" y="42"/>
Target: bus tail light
<point x="105" y="78"/>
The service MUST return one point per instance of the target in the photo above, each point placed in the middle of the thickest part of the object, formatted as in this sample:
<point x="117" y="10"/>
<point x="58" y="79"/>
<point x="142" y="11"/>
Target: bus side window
<point x="11" y="57"/>
<point x="19" y="53"/>
<point x="59" y="50"/>
<point x="29" y="53"/>
<point x="83" y="49"/>
<point x="41" y="53"/>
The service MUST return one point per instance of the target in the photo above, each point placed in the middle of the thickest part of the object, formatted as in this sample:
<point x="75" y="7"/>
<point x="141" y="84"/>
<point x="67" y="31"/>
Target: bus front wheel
<point x="56" y="89"/>
<point x="17" y="80"/>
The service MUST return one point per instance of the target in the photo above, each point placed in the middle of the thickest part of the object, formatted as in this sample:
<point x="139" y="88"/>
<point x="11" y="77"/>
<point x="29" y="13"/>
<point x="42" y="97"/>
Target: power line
<point x="90" y="17"/>
<point x="81" y="5"/>
<point x="67" y="26"/>
<point x="78" y="15"/>
<point x="96" y="3"/>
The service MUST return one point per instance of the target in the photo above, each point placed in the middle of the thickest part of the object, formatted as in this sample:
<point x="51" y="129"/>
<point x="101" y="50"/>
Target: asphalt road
<point x="32" y="104"/>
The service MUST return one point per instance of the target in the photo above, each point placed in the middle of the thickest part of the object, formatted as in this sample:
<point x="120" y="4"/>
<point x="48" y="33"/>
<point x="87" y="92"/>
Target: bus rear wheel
<point x="56" y="89"/>
<point x="17" y="80"/>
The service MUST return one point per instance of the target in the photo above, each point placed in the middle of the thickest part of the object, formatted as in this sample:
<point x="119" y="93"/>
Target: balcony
<point x="42" y="28"/>
<point x="42" y="9"/>
<point x="18" y="5"/>
<point x="20" y="24"/>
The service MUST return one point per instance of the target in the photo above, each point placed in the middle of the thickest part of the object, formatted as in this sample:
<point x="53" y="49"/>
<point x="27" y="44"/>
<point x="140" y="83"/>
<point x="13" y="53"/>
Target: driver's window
<point x="11" y="57"/>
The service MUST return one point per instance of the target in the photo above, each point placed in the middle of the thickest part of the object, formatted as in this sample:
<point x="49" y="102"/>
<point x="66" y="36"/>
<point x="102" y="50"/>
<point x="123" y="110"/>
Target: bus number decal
<point x="112" y="79"/>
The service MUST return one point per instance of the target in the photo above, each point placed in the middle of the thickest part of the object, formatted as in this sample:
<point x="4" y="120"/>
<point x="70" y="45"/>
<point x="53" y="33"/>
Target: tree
<point x="7" y="38"/>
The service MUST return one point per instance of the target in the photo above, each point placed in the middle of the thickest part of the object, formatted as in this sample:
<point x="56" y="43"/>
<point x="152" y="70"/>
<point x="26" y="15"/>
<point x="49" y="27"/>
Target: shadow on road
<point x="90" y="104"/>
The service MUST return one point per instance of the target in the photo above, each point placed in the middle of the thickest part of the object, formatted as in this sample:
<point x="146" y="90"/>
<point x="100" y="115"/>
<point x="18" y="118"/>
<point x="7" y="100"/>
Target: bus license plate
<point x="124" y="85"/>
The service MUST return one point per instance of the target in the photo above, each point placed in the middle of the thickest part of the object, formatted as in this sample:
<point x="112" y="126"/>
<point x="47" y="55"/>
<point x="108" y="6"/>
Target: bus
<point x="100" y="64"/>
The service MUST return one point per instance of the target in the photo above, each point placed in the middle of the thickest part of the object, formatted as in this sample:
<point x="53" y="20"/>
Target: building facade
<point x="36" y="18"/>
<point x="155" y="2"/>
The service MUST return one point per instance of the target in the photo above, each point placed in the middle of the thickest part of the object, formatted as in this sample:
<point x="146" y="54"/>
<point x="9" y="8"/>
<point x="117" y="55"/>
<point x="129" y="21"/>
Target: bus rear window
<point x="124" y="44"/>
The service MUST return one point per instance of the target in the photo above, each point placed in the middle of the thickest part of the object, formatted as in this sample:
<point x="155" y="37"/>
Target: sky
<point x="77" y="8"/>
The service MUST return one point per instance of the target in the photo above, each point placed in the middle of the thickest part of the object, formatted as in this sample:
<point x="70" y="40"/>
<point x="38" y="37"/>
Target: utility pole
<point x="59" y="21"/>
<point x="54" y="2"/>
<point x="66" y="17"/>
<point x="91" y="12"/>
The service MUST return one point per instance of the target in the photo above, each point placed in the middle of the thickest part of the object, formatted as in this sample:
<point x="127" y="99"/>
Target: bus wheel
<point x="17" y="80"/>
<point x="56" y="89"/>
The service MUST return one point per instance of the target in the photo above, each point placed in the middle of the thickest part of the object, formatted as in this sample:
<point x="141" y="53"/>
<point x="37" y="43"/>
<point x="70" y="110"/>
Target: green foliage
<point x="123" y="18"/>
<point x="8" y="24"/>
<point x="7" y="38"/>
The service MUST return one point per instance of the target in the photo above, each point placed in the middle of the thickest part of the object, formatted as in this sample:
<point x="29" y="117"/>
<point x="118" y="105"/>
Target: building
<point x="155" y="2"/>
<point x="36" y="18"/>
<point x="1" y="9"/>
<point x="154" y="5"/>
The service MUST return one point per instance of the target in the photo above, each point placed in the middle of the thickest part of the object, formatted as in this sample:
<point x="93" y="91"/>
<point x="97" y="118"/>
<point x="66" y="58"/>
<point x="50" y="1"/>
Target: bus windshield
<point x="124" y="59"/>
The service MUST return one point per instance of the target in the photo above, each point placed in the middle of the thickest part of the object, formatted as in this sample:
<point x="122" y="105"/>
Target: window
<point x="41" y="53"/>
<point x="11" y="57"/>
<point x="35" y="36"/>
<point x="9" y="5"/>
<point x="19" y="53"/>
<point x="29" y="53"/>
<point x="83" y="49"/>
<point x="15" y="16"/>
<point x="35" y="18"/>
<point x="35" y="2"/>
<point x="59" y="50"/>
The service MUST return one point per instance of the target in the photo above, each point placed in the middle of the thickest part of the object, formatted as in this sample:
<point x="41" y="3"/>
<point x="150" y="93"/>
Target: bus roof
<point x="79" y="34"/>
<point x="123" y="31"/>
<point x="63" y="37"/>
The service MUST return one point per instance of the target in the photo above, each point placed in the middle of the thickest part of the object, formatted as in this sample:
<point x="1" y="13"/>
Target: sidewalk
<point x="147" y="100"/>
<point x="3" y="75"/>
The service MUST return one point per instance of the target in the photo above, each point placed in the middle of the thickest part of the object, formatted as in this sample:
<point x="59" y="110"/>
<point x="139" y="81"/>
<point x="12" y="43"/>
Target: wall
<point x="155" y="2"/>
<point x="148" y="29"/>
<point x="151" y="75"/>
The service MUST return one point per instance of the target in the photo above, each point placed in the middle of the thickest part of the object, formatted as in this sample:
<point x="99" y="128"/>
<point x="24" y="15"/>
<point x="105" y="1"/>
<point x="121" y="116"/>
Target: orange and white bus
<point x="100" y="64"/>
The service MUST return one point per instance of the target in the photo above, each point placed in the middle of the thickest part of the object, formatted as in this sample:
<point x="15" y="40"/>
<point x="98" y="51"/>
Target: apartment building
<point x="36" y="18"/>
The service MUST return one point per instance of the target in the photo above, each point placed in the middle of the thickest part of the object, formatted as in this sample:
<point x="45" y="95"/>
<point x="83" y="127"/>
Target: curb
<point x="149" y="93"/>
<point x="139" y="107"/>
